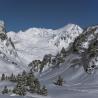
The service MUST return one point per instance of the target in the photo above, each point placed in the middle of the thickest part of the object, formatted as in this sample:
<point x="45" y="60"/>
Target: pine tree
<point x="23" y="73"/>
<point x="12" y="78"/>
<point x="3" y="77"/>
<point x="32" y="87"/>
<point x="63" y="52"/>
<point x="18" y="77"/>
<point x="58" y="59"/>
<point x="37" y="85"/>
<point x="20" y="88"/>
<point x="30" y="78"/>
<point x="60" y="81"/>
<point x="24" y="77"/>
<point x="44" y="91"/>
<point x="27" y="82"/>
<point x="5" y="90"/>
<point x="41" y="66"/>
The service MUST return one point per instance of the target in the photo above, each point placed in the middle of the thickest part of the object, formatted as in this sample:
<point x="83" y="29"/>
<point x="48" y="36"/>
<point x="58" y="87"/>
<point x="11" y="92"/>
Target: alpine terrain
<point x="47" y="63"/>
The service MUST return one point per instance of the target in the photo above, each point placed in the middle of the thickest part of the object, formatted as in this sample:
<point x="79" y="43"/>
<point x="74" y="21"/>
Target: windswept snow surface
<point x="34" y="43"/>
<point x="7" y="96"/>
<point x="77" y="83"/>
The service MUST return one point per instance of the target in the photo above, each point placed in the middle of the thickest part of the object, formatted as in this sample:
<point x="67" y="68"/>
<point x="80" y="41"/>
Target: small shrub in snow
<point x="59" y="81"/>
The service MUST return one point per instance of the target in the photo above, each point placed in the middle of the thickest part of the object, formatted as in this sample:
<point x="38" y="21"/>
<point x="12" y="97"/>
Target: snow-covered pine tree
<point x="3" y="77"/>
<point x="37" y="85"/>
<point x="5" y="90"/>
<point x="20" y="88"/>
<point x="12" y="78"/>
<point x="24" y="77"/>
<point x="59" y="81"/>
<point x="30" y="78"/>
<point x="63" y="52"/>
<point x="44" y="91"/>
<point x="32" y="87"/>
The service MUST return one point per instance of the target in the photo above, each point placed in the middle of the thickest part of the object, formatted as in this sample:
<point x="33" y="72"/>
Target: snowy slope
<point x="87" y="46"/>
<point x="86" y="38"/>
<point x="34" y="43"/>
<point x="9" y="59"/>
<point x="78" y="82"/>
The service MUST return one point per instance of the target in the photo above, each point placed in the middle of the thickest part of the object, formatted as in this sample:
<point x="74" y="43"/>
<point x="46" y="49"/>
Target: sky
<point x="24" y="14"/>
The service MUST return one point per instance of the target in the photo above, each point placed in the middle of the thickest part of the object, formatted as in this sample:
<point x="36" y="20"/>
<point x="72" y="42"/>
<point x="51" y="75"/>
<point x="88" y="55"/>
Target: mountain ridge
<point x="51" y="41"/>
<point x="69" y="53"/>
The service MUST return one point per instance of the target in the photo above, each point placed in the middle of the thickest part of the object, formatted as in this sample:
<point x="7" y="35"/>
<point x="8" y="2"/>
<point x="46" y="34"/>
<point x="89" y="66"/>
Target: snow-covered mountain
<point x="87" y="45"/>
<point x="34" y="43"/>
<point x="76" y="63"/>
<point x="9" y="59"/>
<point x="79" y="68"/>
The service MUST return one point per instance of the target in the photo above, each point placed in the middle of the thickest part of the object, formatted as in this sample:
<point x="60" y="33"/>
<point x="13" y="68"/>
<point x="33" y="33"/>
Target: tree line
<point x="25" y="82"/>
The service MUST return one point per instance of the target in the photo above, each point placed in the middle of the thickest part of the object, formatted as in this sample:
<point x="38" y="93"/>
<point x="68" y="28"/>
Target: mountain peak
<point x="71" y="26"/>
<point x="43" y="41"/>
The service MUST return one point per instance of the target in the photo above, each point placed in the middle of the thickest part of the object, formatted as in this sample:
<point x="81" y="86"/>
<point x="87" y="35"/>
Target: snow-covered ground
<point x="34" y="43"/>
<point x="77" y="83"/>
